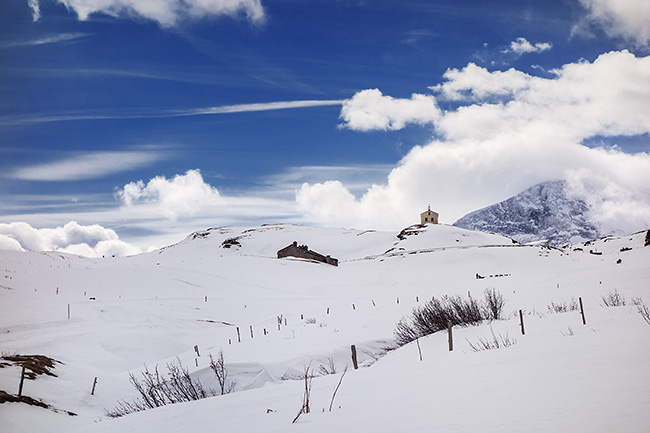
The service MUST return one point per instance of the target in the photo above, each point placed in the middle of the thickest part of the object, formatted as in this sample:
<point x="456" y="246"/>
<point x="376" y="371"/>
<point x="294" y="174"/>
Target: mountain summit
<point x="545" y="212"/>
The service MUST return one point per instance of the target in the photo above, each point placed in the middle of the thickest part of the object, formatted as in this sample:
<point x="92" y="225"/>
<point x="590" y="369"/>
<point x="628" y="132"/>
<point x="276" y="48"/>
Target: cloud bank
<point x="91" y="240"/>
<point x="167" y="13"/>
<point x="629" y="19"/>
<point x="504" y="132"/>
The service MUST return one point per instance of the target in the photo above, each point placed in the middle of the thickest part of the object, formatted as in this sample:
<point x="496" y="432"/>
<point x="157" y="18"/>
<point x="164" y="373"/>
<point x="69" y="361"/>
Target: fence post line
<point x="451" y="338"/>
<point x="521" y="322"/>
<point x="353" y="348"/>
<point x="238" y="336"/>
<point x="94" y="383"/>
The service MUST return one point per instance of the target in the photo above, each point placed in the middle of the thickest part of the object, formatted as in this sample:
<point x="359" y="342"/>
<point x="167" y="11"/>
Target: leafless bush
<point x="568" y="333"/>
<point x="435" y="315"/>
<point x="308" y="376"/>
<point x="330" y="368"/>
<point x="642" y="308"/>
<point x="310" y="320"/>
<point x="563" y="307"/>
<point x="613" y="299"/>
<point x="337" y="387"/>
<point x="220" y="370"/>
<point x="494" y="303"/>
<point x="157" y="390"/>
<point x="497" y="342"/>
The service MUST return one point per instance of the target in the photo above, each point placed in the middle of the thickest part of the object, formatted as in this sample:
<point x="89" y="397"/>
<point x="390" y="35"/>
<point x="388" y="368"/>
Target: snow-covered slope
<point x="543" y="213"/>
<point x="153" y="308"/>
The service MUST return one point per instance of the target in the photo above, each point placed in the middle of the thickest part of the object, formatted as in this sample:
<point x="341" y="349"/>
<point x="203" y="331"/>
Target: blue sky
<point x="149" y="123"/>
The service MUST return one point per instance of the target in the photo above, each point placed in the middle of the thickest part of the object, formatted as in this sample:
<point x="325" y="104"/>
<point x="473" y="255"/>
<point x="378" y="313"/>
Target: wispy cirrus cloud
<point x="145" y="114"/>
<point x="44" y="40"/>
<point x="86" y="166"/>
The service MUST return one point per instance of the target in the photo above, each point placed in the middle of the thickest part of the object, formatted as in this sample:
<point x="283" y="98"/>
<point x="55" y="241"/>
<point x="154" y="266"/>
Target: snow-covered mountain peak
<point x="545" y="213"/>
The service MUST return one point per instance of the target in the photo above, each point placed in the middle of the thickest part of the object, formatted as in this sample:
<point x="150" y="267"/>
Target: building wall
<point x="429" y="217"/>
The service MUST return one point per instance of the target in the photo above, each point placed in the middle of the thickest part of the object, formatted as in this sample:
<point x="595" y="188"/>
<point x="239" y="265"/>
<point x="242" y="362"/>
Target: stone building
<point x="429" y="217"/>
<point x="303" y="252"/>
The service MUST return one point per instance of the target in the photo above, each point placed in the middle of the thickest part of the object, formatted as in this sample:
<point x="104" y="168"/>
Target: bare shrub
<point x="434" y="315"/>
<point x="568" y="332"/>
<point x="497" y="342"/>
<point x="308" y="376"/>
<point x="563" y="307"/>
<point x="613" y="299"/>
<point x="220" y="370"/>
<point x="330" y="368"/>
<point x="310" y="320"/>
<point x="337" y="387"/>
<point x="494" y="303"/>
<point x="642" y="308"/>
<point x="157" y="390"/>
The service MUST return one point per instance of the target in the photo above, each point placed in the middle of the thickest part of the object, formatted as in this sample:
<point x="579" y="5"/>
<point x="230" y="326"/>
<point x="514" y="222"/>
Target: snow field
<point x="150" y="309"/>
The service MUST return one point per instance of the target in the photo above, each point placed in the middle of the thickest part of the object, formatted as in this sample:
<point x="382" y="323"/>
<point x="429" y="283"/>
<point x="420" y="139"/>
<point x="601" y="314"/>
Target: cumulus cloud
<point x="166" y="13"/>
<point x="369" y="109"/>
<point x="181" y="196"/>
<point x="87" y="240"/>
<point x="86" y="166"/>
<point x="521" y="46"/>
<point x="510" y="131"/>
<point x="629" y="19"/>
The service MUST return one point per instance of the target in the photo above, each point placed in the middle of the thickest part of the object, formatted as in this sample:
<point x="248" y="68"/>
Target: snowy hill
<point x="543" y="213"/>
<point x="224" y="289"/>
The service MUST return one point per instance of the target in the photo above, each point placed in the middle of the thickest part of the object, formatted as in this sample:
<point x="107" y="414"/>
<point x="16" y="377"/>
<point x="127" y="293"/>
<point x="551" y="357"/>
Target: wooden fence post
<point x="251" y="331"/>
<point x="582" y="312"/>
<point x="451" y="339"/>
<point x="521" y="320"/>
<point x="238" y="336"/>
<point x="354" y="356"/>
<point x="68" y="311"/>
<point x="94" y="383"/>
<point x="22" y="379"/>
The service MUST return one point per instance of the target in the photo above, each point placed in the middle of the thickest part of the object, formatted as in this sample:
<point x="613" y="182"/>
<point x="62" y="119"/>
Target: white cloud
<point x="369" y="109"/>
<point x="90" y="240"/>
<point x="181" y="196"/>
<point x="36" y="10"/>
<point x="521" y="46"/>
<point x="86" y="166"/>
<point x="629" y="19"/>
<point x="487" y="151"/>
<point x="167" y="13"/>
<point x="475" y="82"/>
